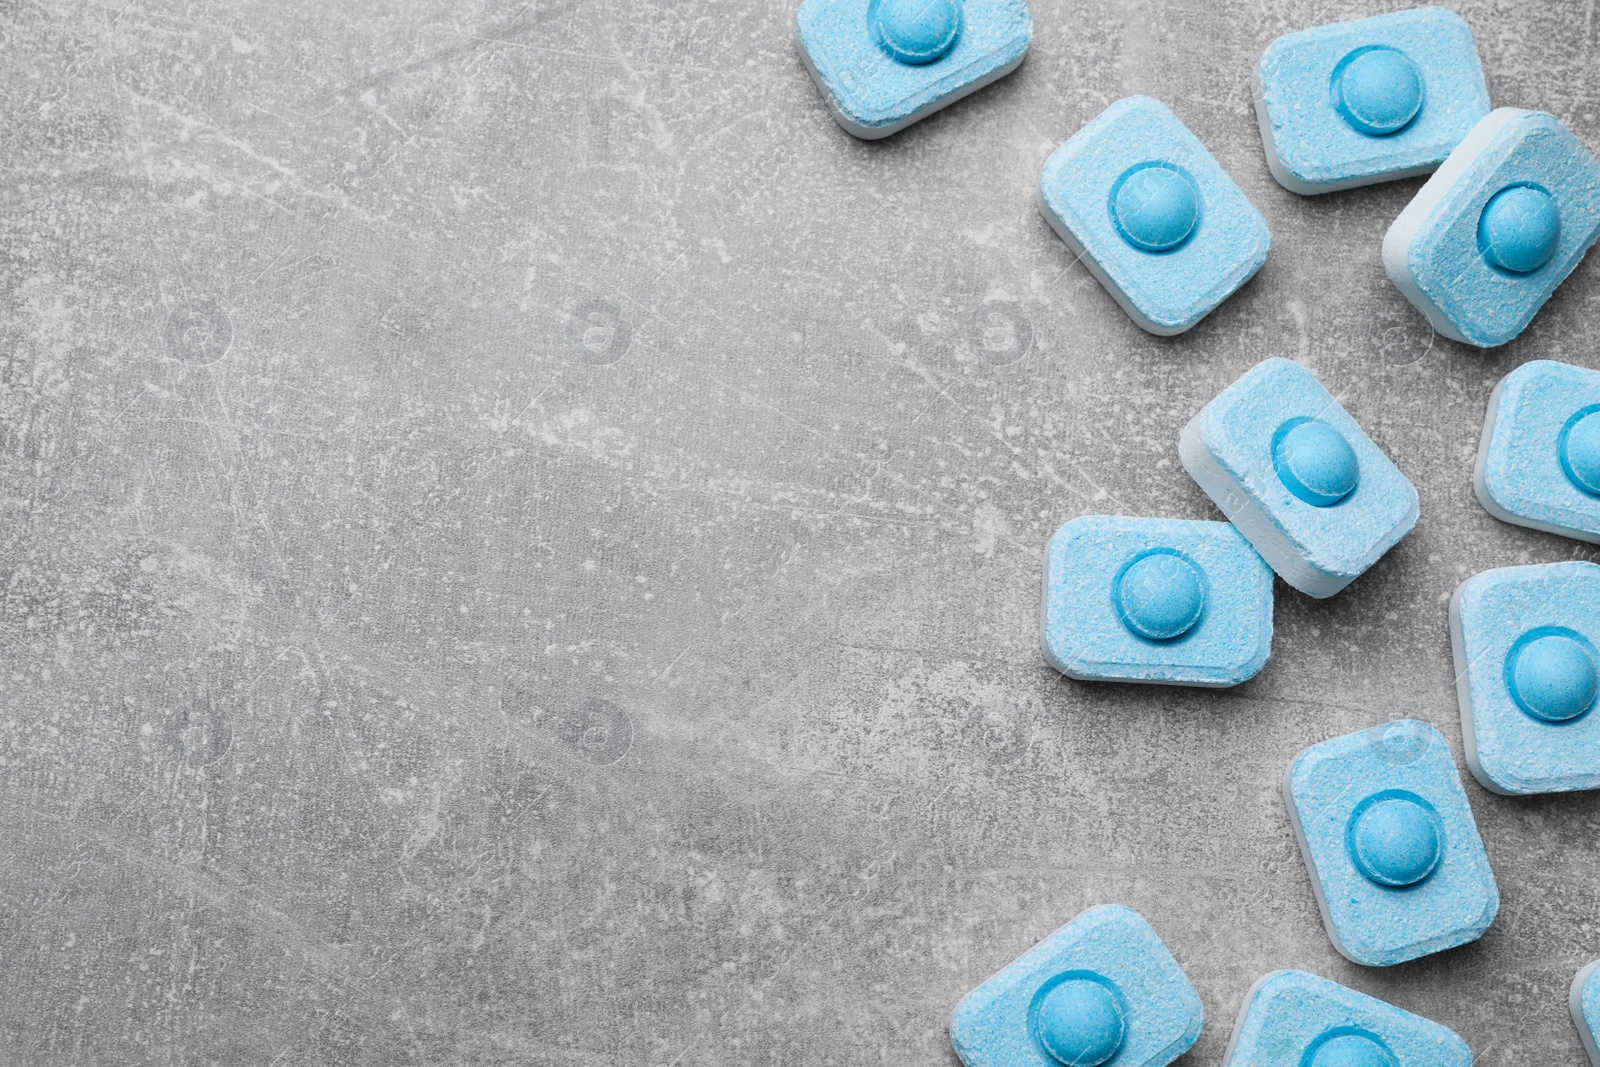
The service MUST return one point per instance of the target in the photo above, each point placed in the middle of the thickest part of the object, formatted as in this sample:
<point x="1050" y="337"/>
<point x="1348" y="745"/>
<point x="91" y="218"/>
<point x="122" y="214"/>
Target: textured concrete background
<point x="521" y="541"/>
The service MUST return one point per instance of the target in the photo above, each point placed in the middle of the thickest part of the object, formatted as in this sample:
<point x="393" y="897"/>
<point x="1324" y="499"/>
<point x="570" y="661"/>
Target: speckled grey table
<point x="520" y="541"/>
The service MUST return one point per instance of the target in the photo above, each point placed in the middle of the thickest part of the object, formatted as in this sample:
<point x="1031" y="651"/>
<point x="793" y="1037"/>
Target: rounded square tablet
<point x="1539" y="458"/>
<point x="1153" y="215"/>
<point x="1585" y="1004"/>
<point x="1369" y="100"/>
<point x="1388" y="837"/>
<point x="1295" y="1019"/>
<point x="884" y="64"/>
<point x="1298" y="476"/>
<point x="1528" y="676"/>
<point x="1167" y="601"/>
<point x="1497" y="228"/>
<point x="1102" y="989"/>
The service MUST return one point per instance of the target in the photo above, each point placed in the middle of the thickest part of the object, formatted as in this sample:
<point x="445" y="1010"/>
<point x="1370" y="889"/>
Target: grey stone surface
<point x="520" y="541"/>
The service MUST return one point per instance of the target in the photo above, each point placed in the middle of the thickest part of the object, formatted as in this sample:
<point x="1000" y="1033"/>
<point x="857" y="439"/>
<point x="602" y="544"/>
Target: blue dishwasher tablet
<point x="1368" y="101"/>
<point x="1294" y="472"/>
<point x="884" y="64"/>
<point x="1528" y="675"/>
<point x="1103" y="989"/>
<point x="1539" y="459"/>
<point x="1169" y="601"/>
<point x="1585" y="1004"/>
<point x="1152" y="215"/>
<point x="1502" y="223"/>
<point x="1394" y="854"/>
<point x="1295" y="1019"/>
